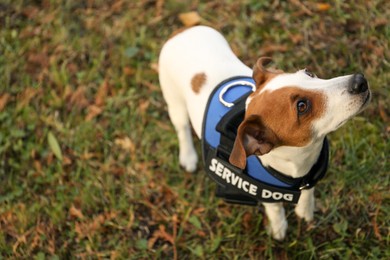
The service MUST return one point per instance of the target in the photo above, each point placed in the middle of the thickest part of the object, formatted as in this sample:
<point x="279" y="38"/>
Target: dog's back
<point x="191" y="64"/>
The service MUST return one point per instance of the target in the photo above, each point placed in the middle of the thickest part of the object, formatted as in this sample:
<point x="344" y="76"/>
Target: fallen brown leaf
<point x="128" y="71"/>
<point x="380" y="22"/>
<point x="27" y="95"/>
<point x="382" y="112"/>
<point x="323" y="7"/>
<point x="159" y="7"/>
<point x="4" y="100"/>
<point x="302" y="7"/>
<point x="93" y="111"/>
<point x="246" y="221"/>
<point x="66" y="161"/>
<point x="190" y="18"/>
<point x="143" y="106"/>
<point x="268" y="49"/>
<point x="117" y="6"/>
<point x="101" y="94"/>
<point x="75" y="212"/>
<point x="160" y="234"/>
<point x="30" y="11"/>
<point x="154" y="66"/>
<point x="78" y="99"/>
<point x="150" y="86"/>
<point x="39" y="59"/>
<point x="89" y="228"/>
<point x="201" y="233"/>
<point x="125" y="143"/>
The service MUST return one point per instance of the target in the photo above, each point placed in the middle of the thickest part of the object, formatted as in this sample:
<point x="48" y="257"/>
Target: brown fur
<point x="197" y="81"/>
<point x="293" y="130"/>
<point x="263" y="75"/>
<point x="267" y="126"/>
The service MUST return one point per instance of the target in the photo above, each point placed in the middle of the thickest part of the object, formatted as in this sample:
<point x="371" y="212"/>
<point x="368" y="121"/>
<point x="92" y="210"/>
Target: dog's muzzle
<point x="358" y="85"/>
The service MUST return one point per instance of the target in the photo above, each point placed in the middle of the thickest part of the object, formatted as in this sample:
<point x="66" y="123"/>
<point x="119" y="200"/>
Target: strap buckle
<point x="305" y="186"/>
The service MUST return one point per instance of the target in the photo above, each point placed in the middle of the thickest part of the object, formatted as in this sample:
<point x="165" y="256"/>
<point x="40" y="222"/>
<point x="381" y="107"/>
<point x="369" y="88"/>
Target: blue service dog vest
<point x="224" y="113"/>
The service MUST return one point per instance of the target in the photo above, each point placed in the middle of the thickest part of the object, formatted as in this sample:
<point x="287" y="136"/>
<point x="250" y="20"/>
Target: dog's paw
<point x="306" y="213"/>
<point x="278" y="232"/>
<point x="188" y="161"/>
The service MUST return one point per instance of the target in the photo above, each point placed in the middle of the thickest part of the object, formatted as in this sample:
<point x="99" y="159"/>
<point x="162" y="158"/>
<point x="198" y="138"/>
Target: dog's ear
<point x="253" y="137"/>
<point x="260" y="73"/>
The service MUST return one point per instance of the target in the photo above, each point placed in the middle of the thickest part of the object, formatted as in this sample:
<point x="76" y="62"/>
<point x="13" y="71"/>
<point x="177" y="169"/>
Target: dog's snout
<point x="358" y="84"/>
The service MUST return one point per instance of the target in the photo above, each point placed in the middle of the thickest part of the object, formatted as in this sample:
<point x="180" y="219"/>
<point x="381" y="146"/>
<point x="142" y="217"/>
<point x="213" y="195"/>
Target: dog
<point x="287" y="116"/>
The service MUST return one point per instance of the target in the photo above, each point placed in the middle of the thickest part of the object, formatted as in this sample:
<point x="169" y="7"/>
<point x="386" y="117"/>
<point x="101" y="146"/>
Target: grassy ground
<point x="88" y="157"/>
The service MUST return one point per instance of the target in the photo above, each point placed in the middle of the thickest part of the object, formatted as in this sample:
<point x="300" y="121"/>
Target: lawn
<point x="89" y="159"/>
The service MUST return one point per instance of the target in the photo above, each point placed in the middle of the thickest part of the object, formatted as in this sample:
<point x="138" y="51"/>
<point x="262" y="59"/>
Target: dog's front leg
<point x="276" y="216"/>
<point x="305" y="207"/>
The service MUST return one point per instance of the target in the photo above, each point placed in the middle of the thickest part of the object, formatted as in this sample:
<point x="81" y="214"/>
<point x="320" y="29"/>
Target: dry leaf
<point x="143" y="106"/>
<point x="190" y="18"/>
<point x="86" y="229"/>
<point x="74" y="212"/>
<point x="4" y="100"/>
<point x="117" y="6"/>
<point x="126" y="144"/>
<point x="66" y="160"/>
<point x="101" y="95"/>
<point x="296" y="38"/>
<point x="93" y="111"/>
<point x="268" y="49"/>
<point x="67" y="92"/>
<point x="39" y="59"/>
<point x="247" y="221"/>
<point x="26" y="96"/>
<point x="128" y="71"/>
<point x="150" y="86"/>
<point x="30" y="12"/>
<point x="79" y="229"/>
<point x="154" y="66"/>
<point x="201" y="233"/>
<point x="87" y="156"/>
<point x="380" y="22"/>
<point x="323" y="7"/>
<point x="302" y="7"/>
<point x="382" y="112"/>
<point x="72" y="68"/>
<point x="37" y="166"/>
<point x="198" y="211"/>
<point x="78" y="98"/>
<point x="159" y="7"/>
<point x="160" y="234"/>
<point x="49" y="17"/>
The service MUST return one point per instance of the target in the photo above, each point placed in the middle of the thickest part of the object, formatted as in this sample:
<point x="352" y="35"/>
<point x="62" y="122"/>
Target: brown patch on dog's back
<point x="197" y="81"/>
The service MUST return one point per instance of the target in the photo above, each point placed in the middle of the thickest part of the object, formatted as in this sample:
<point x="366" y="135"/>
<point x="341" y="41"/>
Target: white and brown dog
<point x="286" y="120"/>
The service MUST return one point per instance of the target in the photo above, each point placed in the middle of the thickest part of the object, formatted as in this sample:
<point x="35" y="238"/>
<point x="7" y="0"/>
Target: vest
<point x="224" y="113"/>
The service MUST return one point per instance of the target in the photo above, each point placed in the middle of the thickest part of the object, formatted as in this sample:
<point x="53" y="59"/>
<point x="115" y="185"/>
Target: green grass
<point x="88" y="157"/>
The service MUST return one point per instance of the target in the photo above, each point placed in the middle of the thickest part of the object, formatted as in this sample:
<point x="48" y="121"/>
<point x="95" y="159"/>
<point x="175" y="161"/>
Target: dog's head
<point x="295" y="109"/>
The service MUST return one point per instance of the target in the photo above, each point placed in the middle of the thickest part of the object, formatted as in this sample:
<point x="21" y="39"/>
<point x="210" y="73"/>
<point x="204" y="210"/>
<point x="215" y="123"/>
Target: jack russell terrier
<point x="286" y="116"/>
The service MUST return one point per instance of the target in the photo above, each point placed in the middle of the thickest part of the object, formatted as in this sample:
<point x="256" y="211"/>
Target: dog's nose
<point x="358" y="85"/>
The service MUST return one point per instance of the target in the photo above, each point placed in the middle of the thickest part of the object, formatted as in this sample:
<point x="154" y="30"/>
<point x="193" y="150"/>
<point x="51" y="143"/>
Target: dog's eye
<point x="310" y="74"/>
<point x="303" y="106"/>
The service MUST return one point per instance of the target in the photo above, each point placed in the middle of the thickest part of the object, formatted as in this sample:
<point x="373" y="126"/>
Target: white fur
<point x="204" y="50"/>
